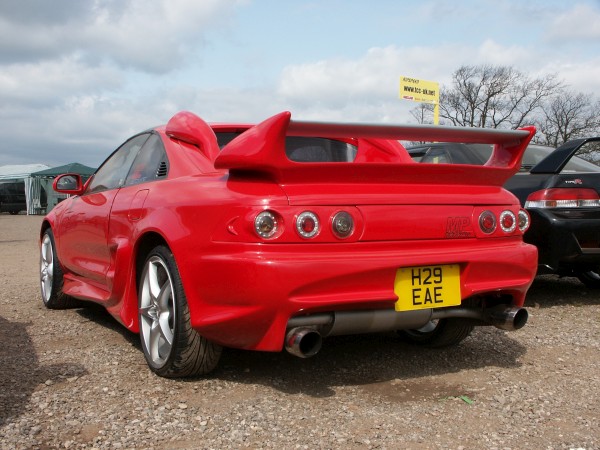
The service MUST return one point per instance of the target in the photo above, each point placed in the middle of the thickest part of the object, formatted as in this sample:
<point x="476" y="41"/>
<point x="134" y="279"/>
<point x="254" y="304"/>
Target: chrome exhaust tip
<point x="509" y="319"/>
<point x="303" y="342"/>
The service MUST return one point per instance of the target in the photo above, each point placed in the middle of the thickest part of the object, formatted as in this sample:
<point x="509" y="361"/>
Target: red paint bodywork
<point x="242" y="289"/>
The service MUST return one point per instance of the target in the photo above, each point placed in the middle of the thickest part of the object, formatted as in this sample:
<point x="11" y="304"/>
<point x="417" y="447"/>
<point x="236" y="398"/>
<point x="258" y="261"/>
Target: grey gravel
<point x="76" y="379"/>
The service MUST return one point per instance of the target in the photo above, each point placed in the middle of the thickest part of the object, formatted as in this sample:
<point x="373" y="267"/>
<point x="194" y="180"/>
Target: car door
<point x="150" y="165"/>
<point x="83" y="243"/>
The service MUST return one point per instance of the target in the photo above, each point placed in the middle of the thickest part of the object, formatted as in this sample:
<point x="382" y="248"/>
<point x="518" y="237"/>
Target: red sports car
<point x="279" y="234"/>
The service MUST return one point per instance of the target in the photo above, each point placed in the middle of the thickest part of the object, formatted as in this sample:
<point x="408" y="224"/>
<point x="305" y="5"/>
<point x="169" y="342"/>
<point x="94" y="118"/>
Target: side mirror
<point x="69" y="183"/>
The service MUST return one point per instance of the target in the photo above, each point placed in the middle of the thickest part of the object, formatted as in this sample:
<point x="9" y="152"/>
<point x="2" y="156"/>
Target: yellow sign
<point x="421" y="91"/>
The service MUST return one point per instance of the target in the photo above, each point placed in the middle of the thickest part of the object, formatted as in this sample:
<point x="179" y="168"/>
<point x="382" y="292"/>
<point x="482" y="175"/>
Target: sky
<point x="79" y="77"/>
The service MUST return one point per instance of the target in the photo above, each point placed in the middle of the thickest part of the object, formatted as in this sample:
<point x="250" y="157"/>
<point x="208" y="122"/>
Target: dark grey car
<point x="560" y="188"/>
<point x="12" y="197"/>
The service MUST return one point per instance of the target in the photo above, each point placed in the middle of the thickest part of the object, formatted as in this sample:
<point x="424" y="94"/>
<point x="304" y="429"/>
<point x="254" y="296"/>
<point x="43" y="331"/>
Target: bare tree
<point x="494" y="97"/>
<point x="423" y="113"/>
<point x="568" y="115"/>
<point x="502" y="97"/>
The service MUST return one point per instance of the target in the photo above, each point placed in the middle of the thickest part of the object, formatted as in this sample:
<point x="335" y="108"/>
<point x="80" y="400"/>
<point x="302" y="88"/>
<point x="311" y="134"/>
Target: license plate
<point x="427" y="287"/>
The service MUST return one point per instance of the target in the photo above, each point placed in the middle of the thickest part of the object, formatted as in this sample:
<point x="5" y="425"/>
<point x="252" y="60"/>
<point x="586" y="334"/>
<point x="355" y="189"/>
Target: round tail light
<point x="523" y="220"/>
<point x="508" y="221"/>
<point x="342" y="225"/>
<point x="487" y="222"/>
<point x="307" y="224"/>
<point x="266" y="224"/>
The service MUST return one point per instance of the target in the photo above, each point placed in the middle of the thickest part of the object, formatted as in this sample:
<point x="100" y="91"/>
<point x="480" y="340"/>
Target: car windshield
<point x="305" y="149"/>
<point x="536" y="153"/>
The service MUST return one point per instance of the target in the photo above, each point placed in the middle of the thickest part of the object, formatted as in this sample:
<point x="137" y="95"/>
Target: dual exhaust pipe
<point x="305" y="334"/>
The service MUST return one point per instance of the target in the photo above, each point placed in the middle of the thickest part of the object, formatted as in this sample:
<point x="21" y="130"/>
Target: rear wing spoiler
<point x="261" y="150"/>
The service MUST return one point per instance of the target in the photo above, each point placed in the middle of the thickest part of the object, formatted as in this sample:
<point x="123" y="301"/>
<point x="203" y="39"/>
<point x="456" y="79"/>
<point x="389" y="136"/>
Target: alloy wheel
<point x="157" y="311"/>
<point x="47" y="267"/>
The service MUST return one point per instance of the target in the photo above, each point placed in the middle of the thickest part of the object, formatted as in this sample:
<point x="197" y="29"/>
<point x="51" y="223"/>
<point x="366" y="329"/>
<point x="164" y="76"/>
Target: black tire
<point x="439" y="333"/>
<point x="164" y="316"/>
<point x="591" y="278"/>
<point x="13" y="213"/>
<point x="51" y="276"/>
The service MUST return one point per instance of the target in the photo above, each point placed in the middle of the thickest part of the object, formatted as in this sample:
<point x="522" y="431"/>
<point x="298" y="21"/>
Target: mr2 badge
<point x="459" y="227"/>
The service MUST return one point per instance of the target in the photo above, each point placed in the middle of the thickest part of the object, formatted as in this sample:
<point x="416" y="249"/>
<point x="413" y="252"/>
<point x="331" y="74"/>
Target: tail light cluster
<point x="271" y="224"/>
<point x="563" y="198"/>
<point x="323" y="224"/>
<point x="507" y="221"/>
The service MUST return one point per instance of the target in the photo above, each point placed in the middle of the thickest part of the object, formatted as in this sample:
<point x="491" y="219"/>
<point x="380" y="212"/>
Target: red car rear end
<point x="296" y="231"/>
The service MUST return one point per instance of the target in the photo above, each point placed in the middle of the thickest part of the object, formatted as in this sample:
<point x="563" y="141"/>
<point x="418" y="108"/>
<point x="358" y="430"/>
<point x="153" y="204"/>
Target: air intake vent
<point x="162" y="170"/>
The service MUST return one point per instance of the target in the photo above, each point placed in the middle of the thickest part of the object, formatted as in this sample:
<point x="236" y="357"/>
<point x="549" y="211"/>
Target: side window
<point x="112" y="173"/>
<point x="150" y="163"/>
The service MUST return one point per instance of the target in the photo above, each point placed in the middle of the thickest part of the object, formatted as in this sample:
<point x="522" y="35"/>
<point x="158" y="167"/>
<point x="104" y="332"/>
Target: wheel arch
<point x="144" y="245"/>
<point x="45" y="225"/>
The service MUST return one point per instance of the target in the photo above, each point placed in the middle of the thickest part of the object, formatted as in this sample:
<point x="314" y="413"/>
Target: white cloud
<point x="373" y="77"/>
<point x="70" y="71"/>
<point x="581" y="76"/>
<point x="582" y="22"/>
<point x="491" y="52"/>
<point x="150" y="36"/>
<point x="48" y="82"/>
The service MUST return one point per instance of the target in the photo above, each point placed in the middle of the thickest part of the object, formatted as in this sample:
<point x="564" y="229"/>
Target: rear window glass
<point x="306" y="149"/>
<point x="224" y="138"/>
<point x="586" y="159"/>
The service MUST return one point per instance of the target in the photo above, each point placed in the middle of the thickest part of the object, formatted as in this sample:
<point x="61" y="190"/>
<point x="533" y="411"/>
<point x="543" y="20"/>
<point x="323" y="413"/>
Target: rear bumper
<point x="566" y="240"/>
<point x="244" y="295"/>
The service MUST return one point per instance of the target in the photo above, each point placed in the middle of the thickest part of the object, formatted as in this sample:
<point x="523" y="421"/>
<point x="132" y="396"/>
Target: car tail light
<point x="342" y="225"/>
<point x="508" y="221"/>
<point x="563" y="198"/>
<point x="266" y="224"/>
<point x="487" y="222"/>
<point x="523" y="220"/>
<point x="307" y="224"/>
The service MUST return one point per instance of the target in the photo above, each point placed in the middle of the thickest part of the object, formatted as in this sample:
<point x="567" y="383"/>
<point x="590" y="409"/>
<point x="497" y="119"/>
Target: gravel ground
<point x="77" y="379"/>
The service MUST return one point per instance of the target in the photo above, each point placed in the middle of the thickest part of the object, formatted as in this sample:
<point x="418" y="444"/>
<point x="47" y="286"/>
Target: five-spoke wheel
<point x="157" y="311"/>
<point x="51" y="276"/>
<point x="171" y="346"/>
<point x="47" y="267"/>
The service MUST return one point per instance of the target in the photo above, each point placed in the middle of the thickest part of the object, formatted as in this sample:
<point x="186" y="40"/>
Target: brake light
<point x="563" y="198"/>
<point x="487" y="222"/>
<point x="307" y="224"/>
<point x="508" y="221"/>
